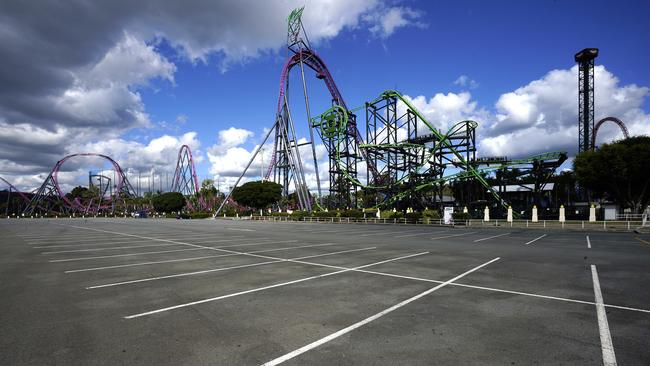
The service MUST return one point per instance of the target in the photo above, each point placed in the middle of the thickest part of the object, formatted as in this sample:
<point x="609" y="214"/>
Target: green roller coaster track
<point x="333" y="124"/>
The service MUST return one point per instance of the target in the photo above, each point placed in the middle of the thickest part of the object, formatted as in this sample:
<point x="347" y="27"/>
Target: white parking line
<point x="588" y="242"/>
<point x="194" y="258"/>
<point x="124" y="255"/>
<point x="113" y="248"/>
<point x="154" y="245"/>
<point x="132" y="242"/>
<point x="91" y="244"/>
<point x="505" y="291"/>
<point x="609" y="358"/>
<point x="58" y="240"/>
<point x="257" y="243"/>
<point x="268" y="287"/>
<point x="354" y="326"/>
<point x="453" y="236"/>
<point x="490" y="237"/>
<point x="534" y="240"/>
<point x="385" y="233"/>
<point x="409" y="235"/>
<point x="185" y="274"/>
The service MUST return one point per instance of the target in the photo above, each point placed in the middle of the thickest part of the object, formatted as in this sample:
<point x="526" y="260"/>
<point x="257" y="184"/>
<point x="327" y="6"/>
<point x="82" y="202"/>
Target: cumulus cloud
<point x="230" y="138"/>
<point x="538" y="117"/>
<point x="229" y="156"/>
<point x="445" y="110"/>
<point x="157" y="157"/>
<point x="388" y="20"/>
<point x="72" y="72"/>
<point x="465" y="81"/>
<point x="542" y="115"/>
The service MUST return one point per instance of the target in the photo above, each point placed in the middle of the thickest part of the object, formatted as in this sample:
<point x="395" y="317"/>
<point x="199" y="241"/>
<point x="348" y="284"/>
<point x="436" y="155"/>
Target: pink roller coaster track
<point x="185" y="164"/>
<point x="52" y="189"/>
<point x="311" y="59"/>
<point x="14" y="189"/>
<point x="615" y="120"/>
<point x="76" y="204"/>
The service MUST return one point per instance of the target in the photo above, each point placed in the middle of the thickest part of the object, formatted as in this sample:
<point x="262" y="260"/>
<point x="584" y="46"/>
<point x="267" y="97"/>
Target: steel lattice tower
<point x="585" y="60"/>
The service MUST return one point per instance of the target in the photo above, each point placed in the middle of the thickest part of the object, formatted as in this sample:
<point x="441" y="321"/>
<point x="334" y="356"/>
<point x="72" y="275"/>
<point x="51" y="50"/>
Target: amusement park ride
<point x="398" y="156"/>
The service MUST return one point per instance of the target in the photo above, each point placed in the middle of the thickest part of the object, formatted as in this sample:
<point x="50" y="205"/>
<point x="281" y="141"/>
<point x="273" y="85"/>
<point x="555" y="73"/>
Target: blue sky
<point x="502" y="45"/>
<point x="462" y="59"/>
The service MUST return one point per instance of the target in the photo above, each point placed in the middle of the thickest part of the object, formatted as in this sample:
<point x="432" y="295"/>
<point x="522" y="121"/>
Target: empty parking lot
<point x="221" y="292"/>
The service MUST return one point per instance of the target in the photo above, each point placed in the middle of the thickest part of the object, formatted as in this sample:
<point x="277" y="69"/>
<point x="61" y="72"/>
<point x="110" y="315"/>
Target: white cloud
<point x="444" y="110"/>
<point x="84" y="82"/>
<point x="230" y="138"/>
<point x="465" y="81"/>
<point x="540" y="116"/>
<point x="387" y="21"/>
<point x="130" y="62"/>
<point x="228" y="159"/>
<point x="543" y="115"/>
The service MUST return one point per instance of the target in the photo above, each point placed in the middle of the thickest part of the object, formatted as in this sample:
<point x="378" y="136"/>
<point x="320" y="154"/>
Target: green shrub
<point x="168" y="202"/>
<point x="280" y="214"/>
<point x="371" y="212"/>
<point x="396" y="215"/>
<point x="324" y="214"/>
<point x="200" y="215"/>
<point x="413" y="216"/>
<point x="354" y="213"/>
<point x="461" y="216"/>
<point x="299" y="214"/>
<point x="431" y="214"/>
<point x="385" y="214"/>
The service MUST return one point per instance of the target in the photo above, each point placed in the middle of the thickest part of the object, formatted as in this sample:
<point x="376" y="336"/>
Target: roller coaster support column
<point x="8" y="198"/>
<point x="245" y="170"/>
<point x="311" y="131"/>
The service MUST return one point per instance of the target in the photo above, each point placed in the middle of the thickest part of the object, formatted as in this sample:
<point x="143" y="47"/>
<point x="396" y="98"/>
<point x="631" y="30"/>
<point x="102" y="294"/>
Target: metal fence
<point x="541" y="224"/>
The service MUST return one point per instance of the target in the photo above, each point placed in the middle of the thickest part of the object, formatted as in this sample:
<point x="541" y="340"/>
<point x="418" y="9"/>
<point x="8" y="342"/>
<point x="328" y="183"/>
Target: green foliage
<point x="168" y="202"/>
<point x="258" y="194"/>
<point x="229" y="211"/>
<point x="385" y="214"/>
<point x="431" y="214"/>
<point x="299" y="214"/>
<point x="324" y="213"/>
<point x="352" y="213"/>
<point x="279" y="214"/>
<point x="461" y="216"/>
<point x="200" y="215"/>
<point x="396" y="215"/>
<point x="83" y="193"/>
<point x="618" y="171"/>
<point x="413" y="216"/>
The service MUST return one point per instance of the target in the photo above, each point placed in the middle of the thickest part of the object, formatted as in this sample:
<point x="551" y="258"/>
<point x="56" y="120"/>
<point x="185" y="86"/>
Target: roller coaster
<point x="395" y="159"/>
<point x="403" y="155"/>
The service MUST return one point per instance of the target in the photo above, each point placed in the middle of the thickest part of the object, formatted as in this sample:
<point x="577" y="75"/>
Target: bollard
<point x="592" y="213"/>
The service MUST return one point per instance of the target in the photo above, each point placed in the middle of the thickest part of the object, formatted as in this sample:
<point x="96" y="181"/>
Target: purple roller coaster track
<point x="50" y="198"/>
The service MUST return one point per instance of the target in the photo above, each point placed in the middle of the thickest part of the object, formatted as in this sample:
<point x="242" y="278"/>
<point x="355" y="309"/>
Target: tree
<point x="618" y="171"/>
<point x="168" y="202"/>
<point x="258" y="194"/>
